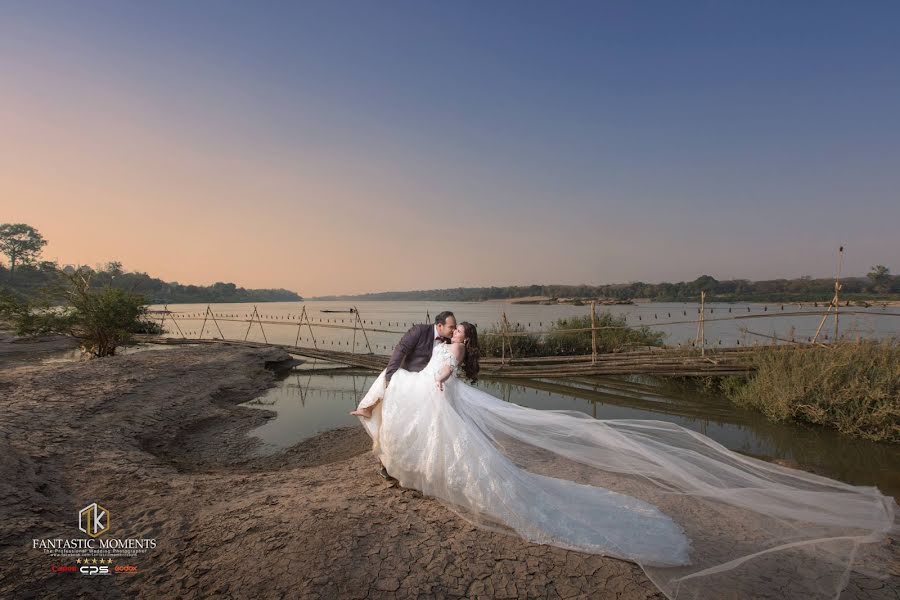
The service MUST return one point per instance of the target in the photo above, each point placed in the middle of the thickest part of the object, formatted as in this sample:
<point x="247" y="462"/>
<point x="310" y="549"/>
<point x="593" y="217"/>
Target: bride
<point x="700" y="520"/>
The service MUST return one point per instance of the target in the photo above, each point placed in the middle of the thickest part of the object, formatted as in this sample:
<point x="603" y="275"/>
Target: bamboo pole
<point x="837" y="292"/>
<point x="701" y="334"/>
<point x="834" y="301"/>
<point x="258" y="320"/>
<point x="593" y="332"/>
<point x="222" y="335"/>
<point x="363" y="327"/>
<point x="174" y="320"/>
<point x="304" y="318"/>
<point x="505" y="341"/>
<point x="203" y="326"/>
<point x="309" y="326"/>
<point x="780" y="339"/>
<point x="353" y="346"/>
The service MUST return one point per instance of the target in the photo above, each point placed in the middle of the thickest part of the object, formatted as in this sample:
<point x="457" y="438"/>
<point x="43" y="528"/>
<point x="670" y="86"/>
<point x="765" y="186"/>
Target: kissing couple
<point x="701" y="520"/>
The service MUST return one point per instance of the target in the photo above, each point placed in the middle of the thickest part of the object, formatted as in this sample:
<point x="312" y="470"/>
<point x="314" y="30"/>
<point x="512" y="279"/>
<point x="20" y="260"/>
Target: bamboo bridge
<point x="651" y="361"/>
<point x="698" y="359"/>
<point x="695" y="361"/>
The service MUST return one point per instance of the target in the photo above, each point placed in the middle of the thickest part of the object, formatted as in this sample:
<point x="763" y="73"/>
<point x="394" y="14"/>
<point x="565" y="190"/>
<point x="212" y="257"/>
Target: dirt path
<point x="157" y="439"/>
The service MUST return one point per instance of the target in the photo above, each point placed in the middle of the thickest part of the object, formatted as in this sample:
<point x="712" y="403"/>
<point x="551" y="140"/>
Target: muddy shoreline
<point x="158" y="439"/>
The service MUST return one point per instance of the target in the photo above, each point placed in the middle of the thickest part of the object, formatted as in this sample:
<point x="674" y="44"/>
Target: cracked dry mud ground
<point x="157" y="438"/>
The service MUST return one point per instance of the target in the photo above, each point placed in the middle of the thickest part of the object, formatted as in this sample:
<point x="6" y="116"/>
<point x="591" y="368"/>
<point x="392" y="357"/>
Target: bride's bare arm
<point x="444" y="374"/>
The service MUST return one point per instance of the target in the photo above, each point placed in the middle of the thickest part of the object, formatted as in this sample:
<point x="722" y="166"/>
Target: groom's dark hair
<point x="441" y="317"/>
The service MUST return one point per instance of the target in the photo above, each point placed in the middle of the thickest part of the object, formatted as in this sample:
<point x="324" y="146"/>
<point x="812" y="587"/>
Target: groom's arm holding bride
<point x="406" y="345"/>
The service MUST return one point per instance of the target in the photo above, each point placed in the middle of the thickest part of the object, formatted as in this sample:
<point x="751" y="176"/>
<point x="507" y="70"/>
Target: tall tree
<point x="880" y="276"/>
<point x="21" y="243"/>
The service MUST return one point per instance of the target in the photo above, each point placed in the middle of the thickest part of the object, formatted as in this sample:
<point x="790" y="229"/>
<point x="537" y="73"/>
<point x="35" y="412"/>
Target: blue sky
<point x="565" y="142"/>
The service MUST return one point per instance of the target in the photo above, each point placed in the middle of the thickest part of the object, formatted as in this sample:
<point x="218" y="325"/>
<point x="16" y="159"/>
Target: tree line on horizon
<point x="25" y="275"/>
<point x="877" y="284"/>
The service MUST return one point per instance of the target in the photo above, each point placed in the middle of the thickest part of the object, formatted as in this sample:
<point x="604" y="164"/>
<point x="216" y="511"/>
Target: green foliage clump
<point x="490" y="342"/>
<point x="103" y="319"/>
<point x="615" y="336"/>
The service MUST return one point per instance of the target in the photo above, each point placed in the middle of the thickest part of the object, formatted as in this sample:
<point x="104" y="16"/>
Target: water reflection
<point x="317" y="396"/>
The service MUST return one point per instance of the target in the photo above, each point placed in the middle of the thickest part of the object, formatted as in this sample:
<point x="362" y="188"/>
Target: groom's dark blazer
<point x="413" y="351"/>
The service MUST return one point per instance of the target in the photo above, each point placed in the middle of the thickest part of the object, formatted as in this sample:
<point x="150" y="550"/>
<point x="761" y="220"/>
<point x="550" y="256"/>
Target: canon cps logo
<point x="93" y="520"/>
<point x="94" y="570"/>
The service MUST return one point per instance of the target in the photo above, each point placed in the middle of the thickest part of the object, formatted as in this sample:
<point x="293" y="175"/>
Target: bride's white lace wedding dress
<point x="702" y="521"/>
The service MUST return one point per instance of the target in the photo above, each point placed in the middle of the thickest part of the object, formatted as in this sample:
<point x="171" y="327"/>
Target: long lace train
<point x="701" y="520"/>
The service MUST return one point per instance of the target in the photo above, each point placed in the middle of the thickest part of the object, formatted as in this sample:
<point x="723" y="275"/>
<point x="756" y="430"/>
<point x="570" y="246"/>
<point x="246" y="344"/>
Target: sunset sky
<point x="340" y="147"/>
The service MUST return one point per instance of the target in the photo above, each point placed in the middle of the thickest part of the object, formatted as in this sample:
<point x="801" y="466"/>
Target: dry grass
<point x="853" y="387"/>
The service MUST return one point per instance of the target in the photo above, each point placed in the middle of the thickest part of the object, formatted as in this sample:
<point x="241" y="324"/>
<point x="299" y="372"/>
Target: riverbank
<point x="158" y="438"/>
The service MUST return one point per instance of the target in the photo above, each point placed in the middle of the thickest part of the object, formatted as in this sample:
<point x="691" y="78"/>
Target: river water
<point x="316" y="396"/>
<point x="724" y="323"/>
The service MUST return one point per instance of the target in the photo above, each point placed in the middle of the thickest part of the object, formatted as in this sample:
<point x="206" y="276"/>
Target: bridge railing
<point x="306" y="326"/>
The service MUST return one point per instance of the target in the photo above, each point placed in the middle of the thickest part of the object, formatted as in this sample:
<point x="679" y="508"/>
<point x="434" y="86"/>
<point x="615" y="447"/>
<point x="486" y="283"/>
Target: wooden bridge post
<point x="261" y="328"/>
<point x="701" y="334"/>
<point x="259" y="321"/>
<point x="202" y="327"/>
<point x="177" y="326"/>
<point x="363" y="328"/>
<point x="834" y="301"/>
<point x="837" y="292"/>
<point x="304" y="318"/>
<point x="593" y="332"/>
<point x="353" y="345"/>
<point x="213" y="315"/>
<point x="299" y="326"/>
<point x="250" y="325"/>
<point x="505" y="341"/>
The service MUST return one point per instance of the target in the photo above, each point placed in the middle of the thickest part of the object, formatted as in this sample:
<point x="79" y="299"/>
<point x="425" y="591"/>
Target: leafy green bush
<point x="101" y="318"/>
<point x="616" y="337"/>
<point x="491" y="342"/>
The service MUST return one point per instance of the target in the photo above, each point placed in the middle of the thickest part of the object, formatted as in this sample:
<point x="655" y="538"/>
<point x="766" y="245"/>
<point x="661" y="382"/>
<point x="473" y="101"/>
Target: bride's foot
<point x="362" y="412"/>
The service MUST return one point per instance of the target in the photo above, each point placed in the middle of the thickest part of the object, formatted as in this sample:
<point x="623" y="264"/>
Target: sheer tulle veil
<point x="755" y="529"/>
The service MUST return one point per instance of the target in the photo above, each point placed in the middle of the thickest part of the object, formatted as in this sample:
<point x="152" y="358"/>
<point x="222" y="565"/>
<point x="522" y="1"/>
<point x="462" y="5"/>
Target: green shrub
<point x="616" y="337"/>
<point x="101" y="318"/>
<point x="522" y="345"/>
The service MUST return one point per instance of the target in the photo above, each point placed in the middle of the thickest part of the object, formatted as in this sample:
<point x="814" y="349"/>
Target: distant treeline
<point x="29" y="279"/>
<point x="878" y="284"/>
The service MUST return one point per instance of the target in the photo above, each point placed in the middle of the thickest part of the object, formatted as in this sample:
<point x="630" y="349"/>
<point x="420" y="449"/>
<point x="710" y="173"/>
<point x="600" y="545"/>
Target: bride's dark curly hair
<point x="470" y="364"/>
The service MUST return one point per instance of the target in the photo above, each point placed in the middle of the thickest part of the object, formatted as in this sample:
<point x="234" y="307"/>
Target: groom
<point x="414" y="349"/>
